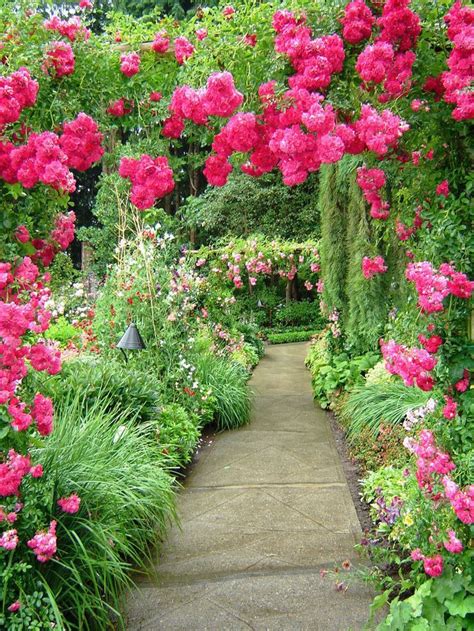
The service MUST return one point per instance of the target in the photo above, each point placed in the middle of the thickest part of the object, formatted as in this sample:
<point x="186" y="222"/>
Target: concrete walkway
<point x="263" y="511"/>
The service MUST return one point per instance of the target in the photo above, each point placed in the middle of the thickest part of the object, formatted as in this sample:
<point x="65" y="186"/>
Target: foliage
<point x="178" y="433"/>
<point x="227" y="384"/>
<point x="246" y="206"/>
<point x="290" y="336"/>
<point x="297" y="314"/>
<point x="118" y="387"/>
<point x="330" y="373"/>
<point x="370" y="405"/>
<point x="63" y="332"/>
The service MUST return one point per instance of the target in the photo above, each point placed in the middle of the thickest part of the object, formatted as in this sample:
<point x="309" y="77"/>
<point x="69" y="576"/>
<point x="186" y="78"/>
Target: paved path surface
<point x="265" y="508"/>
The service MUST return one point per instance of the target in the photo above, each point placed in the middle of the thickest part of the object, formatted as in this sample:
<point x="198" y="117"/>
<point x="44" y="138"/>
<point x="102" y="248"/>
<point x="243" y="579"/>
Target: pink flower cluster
<point x="44" y="544"/>
<point x="72" y="29"/>
<point x="461" y="501"/>
<point x="41" y="159"/>
<point x="314" y="60"/>
<point x="430" y="460"/>
<point x="219" y="98"/>
<point x="434" y="286"/>
<point x="450" y="408"/>
<point x="371" y="181"/>
<point x="379" y="132"/>
<point x="81" y="142"/>
<point x="17" y="92"/>
<point x="63" y="233"/>
<point x="130" y="64"/>
<point x="431" y="344"/>
<point x="400" y="26"/>
<point x="357" y="22"/>
<point x="371" y="267"/>
<point x="161" y="43"/>
<point x="379" y="63"/>
<point x="12" y="472"/>
<point x="151" y="178"/>
<point x="413" y="365"/>
<point x="120" y="107"/>
<point x="183" y="49"/>
<point x="9" y="539"/>
<point x="457" y="81"/>
<point x="59" y="59"/>
<point x="403" y="231"/>
<point x="70" y="504"/>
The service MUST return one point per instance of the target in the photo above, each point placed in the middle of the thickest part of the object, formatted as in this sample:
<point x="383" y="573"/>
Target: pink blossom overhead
<point x="59" y="59"/>
<point x="151" y="178"/>
<point x="81" y="142"/>
<point x="183" y="49"/>
<point x="374" y="266"/>
<point x="357" y="22"/>
<point x="72" y="29"/>
<point x="130" y="64"/>
<point x="17" y="92"/>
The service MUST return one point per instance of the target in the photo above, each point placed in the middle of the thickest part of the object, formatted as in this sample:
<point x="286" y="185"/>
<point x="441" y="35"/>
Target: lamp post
<point x="131" y="340"/>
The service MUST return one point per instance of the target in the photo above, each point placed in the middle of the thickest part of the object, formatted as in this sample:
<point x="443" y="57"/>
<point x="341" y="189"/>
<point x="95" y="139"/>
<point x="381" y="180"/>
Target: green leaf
<point x="460" y="605"/>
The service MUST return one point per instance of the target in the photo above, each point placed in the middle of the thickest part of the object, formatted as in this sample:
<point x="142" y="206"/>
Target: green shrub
<point x="246" y="356"/>
<point x="178" y="433"/>
<point x="297" y="314"/>
<point x="290" y="336"/>
<point x="118" y="386"/>
<point x="63" y="332"/>
<point x="228" y="384"/>
<point x="127" y="500"/>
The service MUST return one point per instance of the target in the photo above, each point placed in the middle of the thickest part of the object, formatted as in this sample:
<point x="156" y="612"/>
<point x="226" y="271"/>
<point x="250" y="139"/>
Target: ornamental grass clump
<point x="228" y="384"/>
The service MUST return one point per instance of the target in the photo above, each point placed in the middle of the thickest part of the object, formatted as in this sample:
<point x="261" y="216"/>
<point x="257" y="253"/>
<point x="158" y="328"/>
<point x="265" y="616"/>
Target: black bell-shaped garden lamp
<point x="131" y="340"/>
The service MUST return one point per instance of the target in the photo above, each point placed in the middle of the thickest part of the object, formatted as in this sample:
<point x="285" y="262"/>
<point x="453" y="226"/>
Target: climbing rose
<point x="399" y="25"/>
<point x="12" y="473"/>
<point x="463" y="384"/>
<point x="151" y="178"/>
<point x="70" y="504"/>
<point x="9" y="540"/>
<point x="201" y="33"/>
<point x="63" y="232"/>
<point x="217" y="170"/>
<point x="17" y="92"/>
<point x="81" y="142"/>
<point x="59" y="58"/>
<point x="228" y="11"/>
<point x="161" y="43"/>
<point x="371" y="267"/>
<point x="183" y="49"/>
<point x="155" y="97"/>
<point x="379" y="132"/>
<point x="443" y="188"/>
<point x="221" y="97"/>
<point x="450" y="409"/>
<point x="119" y="108"/>
<point x="42" y="412"/>
<point x="431" y="344"/>
<point x="72" y="29"/>
<point x="85" y="4"/>
<point x="15" y="606"/>
<point x="130" y="64"/>
<point x="43" y="543"/>
<point x="22" y="234"/>
<point x="173" y="127"/>
<point x="453" y="545"/>
<point x="411" y="364"/>
<point x="357" y="22"/>
<point x="45" y="357"/>
<point x="433" y="565"/>
<point x="371" y="181"/>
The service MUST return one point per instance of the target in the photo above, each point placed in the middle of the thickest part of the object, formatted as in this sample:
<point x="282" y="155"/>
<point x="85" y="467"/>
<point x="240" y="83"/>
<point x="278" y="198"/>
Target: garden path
<point x="262" y="512"/>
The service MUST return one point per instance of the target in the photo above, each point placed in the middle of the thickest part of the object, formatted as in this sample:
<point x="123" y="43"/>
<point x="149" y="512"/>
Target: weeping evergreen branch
<point x="332" y="206"/>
